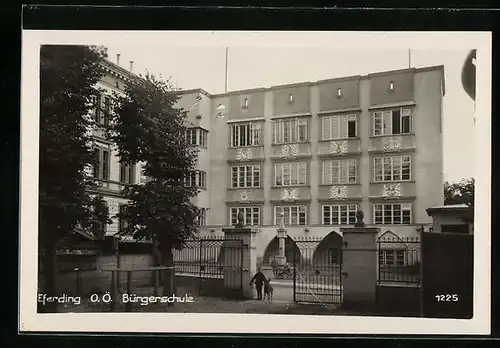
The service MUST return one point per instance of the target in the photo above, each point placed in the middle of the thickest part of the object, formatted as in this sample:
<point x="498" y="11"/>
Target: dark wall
<point x="447" y="272"/>
<point x="398" y="300"/>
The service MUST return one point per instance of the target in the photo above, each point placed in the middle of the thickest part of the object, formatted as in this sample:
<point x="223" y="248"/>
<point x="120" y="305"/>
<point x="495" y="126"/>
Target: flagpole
<point x="409" y="58"/>
<point x="225" y="71"/>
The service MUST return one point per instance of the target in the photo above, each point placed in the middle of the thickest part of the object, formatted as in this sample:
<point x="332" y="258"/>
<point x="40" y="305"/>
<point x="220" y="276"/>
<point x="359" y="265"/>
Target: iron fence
<point x="399" y="260"/>
<point x="203" y="257"/>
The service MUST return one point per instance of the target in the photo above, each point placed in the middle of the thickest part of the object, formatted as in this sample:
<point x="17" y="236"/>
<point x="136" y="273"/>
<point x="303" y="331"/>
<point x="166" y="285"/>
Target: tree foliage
<point x="461" y="192"/>
<point x="68" y="75"/>
<point x="148" y="129"/>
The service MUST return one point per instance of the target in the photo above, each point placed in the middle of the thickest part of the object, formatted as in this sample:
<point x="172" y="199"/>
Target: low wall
<point x="400" y="299"/>
<point x="194" y="285"/>
<point x="85" y="282"/>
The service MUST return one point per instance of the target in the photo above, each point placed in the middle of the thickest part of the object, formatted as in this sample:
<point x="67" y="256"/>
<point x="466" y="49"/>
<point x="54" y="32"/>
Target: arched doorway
<point x="272" y="250"/>
<point x="328" y="252"/>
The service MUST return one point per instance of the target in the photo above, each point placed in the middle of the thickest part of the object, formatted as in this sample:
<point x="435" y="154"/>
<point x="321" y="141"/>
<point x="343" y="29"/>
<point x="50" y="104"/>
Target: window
<point x="251" y="215"/>
<point x="197" y="178"/>
<point x="392" y="122"/>
<point x="127" y="173"/>
<point x="293" y="215"/>
<point x="391" y="257"/>
<point x="339" y="127"/>
<point x="289" y="174"/>
<point x="392" y="214"/>
<point x="289" y="130"/>
<point x="101" y="164"/>
<point x="339" y="172"/>
<point x="245" y="176"/>
<point x="103" y="110"/>
<point x="196" y="136"/>
<point x="334" y="256"/>
<point x="203" y="217"/>
<point x="392" y="168"/>
<point x="122" y="224"/>
<point x="339" y="214"/>
<point x="245" y="134"/>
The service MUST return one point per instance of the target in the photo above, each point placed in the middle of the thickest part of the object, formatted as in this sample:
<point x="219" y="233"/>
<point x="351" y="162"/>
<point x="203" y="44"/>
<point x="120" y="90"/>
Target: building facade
<point x="111" y="176"/>
<point x="318" y="153"/>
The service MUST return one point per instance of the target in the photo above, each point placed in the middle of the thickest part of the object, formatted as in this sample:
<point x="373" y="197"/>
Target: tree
<point x="461" y="192"/>
<point x="146" y="128"/>
<point x="68" y="75"/>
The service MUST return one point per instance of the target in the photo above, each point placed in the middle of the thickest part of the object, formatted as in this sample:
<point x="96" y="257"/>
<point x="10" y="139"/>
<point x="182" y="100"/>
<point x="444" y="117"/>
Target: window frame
<point x="394" y="254"/>
<point x="404" y="112"/>
<point x="404" y="207"/>
<point x="254" y="210"/>
<point x="327" y="126"/>
<point x="327" y="167"/>
<point x="103" y="167"/>
<point x="251" y="130"/>
<point x="290" y="207"/>
<point x="293" y="127"/>
<point x="392" y="172"/>
<point x="127" y="173"/>
<point x="301" y="172"/>
<point x="350" y="214"/>
<point x="242" y="171"/>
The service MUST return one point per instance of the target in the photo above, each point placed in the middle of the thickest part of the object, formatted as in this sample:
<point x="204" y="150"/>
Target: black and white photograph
<point x="246" y="181"/>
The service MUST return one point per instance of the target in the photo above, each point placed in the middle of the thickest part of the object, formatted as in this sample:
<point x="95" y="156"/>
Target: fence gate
<point x="317" y="272"/>
<point x="212" y="263"/>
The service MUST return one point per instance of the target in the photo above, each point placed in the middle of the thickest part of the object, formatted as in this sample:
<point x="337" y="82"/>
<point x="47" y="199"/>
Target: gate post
<point x="359" y="268"/>
<point x="240" y="260"/>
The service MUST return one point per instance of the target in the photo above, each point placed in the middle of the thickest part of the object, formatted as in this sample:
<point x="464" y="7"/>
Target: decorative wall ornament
<point x="391" y="144"/>
<point x="391" y="190"/>
<point x="290" y="151"/>
<point x="338" y="192"/>
<point x="245" y="196"/>
<point x="289" y="195"/>
<point x="338" y="147"/>
<point x="244" y="154"/>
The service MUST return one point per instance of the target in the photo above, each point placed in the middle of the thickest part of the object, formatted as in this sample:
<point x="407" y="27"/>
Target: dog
<point x="268" y="289"/>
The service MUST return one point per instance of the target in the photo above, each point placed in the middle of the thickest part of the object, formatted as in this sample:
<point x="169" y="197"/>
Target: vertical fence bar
<point x="128" y="305"/>
<point x="240" y="268"/>
<point x="157" y="282"/>
<point x="294" y="272"/>
<point x="200" y="267"/>
<point x="78" y="286"/>
<point x="114" y="296"/>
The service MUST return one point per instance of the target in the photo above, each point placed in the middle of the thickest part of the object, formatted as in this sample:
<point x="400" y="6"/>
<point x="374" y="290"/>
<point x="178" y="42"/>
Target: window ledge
<point x="338" y="139"/>
<point x="346" y="184"/>
<point x="289" y="187"/>
<point x="245" y="188"/>
<point x="392" y="135"/>
<point x="393" y="182"/>
<point x="245" y="147"/>
<point x="291" y="143"/>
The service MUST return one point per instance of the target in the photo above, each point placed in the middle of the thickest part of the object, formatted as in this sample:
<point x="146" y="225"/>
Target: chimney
<point x="131" y="65"/>
<point x="118" y="58"/>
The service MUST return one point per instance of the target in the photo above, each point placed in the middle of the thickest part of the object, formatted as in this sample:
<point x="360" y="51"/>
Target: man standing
<point x="259" y="278"/>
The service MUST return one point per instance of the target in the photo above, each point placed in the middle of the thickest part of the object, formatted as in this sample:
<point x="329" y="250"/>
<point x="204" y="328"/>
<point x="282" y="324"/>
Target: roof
<point x="310" y="83"/>
<point x="449" y="208"/>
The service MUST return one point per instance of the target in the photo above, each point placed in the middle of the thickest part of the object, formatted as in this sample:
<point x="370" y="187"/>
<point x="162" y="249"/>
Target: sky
<point x="252" y="67"/>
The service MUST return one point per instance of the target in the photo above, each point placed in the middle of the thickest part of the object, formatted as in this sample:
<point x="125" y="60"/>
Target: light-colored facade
<point x="318" y="152"/>
<point x="110" y="174"/>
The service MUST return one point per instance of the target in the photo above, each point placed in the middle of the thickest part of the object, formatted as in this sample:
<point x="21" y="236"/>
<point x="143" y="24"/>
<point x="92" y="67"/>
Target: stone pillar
<point x="359" y="267"/>
<point x="281" y="235"/>
<point x="240" y="261"/>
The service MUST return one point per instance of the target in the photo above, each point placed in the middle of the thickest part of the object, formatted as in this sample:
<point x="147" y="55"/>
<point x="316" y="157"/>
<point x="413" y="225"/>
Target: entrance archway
<point x="328" y="251"/>
<point x="272" y="250"/>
